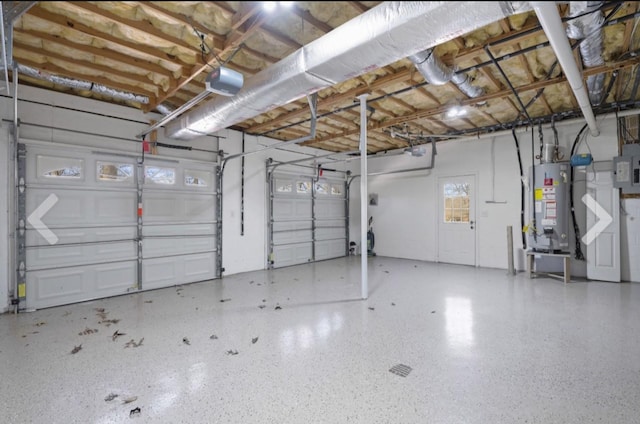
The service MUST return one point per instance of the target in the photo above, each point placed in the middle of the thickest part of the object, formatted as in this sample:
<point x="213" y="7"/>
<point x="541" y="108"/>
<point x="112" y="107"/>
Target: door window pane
<point x="456" y="203"/>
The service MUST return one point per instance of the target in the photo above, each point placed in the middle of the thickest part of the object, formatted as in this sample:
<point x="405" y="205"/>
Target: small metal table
<point x="566" y="257"/>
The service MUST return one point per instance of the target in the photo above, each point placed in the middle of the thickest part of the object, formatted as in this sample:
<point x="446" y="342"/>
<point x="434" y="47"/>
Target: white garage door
<point x="179" y="223"/>
<point x="89" y="202"/>
<point x="307" y="219"/>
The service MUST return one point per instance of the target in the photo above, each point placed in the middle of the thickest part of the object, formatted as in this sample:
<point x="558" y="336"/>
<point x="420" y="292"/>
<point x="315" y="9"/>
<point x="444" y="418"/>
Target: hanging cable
<point x="524" y="238"/>
<point x="578" y="249"/>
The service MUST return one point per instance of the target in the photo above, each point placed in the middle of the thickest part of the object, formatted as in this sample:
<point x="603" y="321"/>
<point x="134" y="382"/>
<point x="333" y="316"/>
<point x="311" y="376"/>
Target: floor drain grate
<point x="401" y="370"/>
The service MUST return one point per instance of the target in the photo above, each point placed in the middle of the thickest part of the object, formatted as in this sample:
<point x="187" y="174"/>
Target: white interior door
<point x="456" y="227"/>
<point x="603" y="250"/>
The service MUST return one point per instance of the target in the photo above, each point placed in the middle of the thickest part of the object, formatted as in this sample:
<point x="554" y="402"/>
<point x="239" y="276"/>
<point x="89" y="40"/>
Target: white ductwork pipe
<point x="551" y="22"/>
<point x="436" y="72"/>
<point x="587" y="26"/>
<point x="383" y="35"/>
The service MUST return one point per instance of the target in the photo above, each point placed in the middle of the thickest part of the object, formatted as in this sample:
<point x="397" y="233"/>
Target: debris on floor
<point x="135" y="411"/>
<point x="117" y="334"/>
<point x="101" y="312"/>
<point x="254" y="340"/>
<point x="264" y="300"/>
<point x="224" y="300"/>
<point x="110" y="397"/>
<point x="232" y="352"/>
<point x="132" y="343"/>
<point x="401" y="370"/>
<point x="186" y="341"/>
<point x="213" y="337"/>
<point x="386" y="272"/>
<point x="277" y="308"/>
<point x="148" y="301"/>
<point x="393" y="304"/>
<point x="129" y="399"/>
<point x="251" y="282"/>
<point x="76" y="349"/>
<point x="40" y="324"/>
<point x="433" y="312"/>
<point x="371" y="308"/>
<point x="87" y="331"/>
<point x="108" y="322"/>
<point x="261" y="306"/>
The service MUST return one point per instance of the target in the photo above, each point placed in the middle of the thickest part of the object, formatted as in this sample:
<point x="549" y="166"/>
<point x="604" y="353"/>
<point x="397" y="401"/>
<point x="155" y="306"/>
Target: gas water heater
<point x="549" y="224"/>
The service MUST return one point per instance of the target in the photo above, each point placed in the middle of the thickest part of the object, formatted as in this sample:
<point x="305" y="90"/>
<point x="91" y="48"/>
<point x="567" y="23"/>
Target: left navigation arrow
<point x="35" y="219"/>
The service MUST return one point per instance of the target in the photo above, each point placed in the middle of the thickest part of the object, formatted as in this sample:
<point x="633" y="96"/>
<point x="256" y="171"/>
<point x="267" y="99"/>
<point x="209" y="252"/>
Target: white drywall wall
<point x="405" y="220"/>
<point x="60" y="118"/>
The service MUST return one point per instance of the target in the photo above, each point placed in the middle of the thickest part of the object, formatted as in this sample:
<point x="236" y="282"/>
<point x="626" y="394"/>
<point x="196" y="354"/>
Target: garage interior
<point x="320" y="212"/>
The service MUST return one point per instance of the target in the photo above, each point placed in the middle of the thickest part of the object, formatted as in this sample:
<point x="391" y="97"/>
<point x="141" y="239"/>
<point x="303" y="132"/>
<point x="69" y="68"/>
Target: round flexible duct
<point x="437" y="73"/>
<point x="588" y="27"/>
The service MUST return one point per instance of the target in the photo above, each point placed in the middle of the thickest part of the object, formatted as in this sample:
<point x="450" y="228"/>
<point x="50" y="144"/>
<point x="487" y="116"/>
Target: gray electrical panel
<point x="626" y="169"/>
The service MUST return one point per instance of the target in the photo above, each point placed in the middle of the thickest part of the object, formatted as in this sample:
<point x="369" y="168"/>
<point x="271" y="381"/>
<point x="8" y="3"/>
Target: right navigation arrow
<point x="603" y="217"/>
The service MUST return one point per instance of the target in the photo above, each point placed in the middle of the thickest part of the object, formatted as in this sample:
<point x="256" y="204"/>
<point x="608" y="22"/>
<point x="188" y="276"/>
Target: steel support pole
<point x="512" y="269"/>
<point x="363" y="198"/>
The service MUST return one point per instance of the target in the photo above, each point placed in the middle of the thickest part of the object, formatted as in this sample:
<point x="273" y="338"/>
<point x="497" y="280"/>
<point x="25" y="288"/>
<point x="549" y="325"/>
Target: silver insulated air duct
<point x="437" y="73"/>
<point x="81" y="85"/>
<point x="588" y="26"/>
<point x="383" y="35"/>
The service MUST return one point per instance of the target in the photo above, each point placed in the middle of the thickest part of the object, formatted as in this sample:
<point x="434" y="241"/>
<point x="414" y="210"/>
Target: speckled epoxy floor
<point x="484" y="348"/>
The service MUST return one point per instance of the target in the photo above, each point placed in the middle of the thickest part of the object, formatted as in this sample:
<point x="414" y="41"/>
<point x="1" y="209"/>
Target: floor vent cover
<point x="401" y="370"/>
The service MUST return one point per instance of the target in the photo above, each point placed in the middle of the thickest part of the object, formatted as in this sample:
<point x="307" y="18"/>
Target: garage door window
<point x="157" y="175"/>
<point x="303" y="187"/>
<point x="322" y="188"/>
<point x="116" y="172"/>
<point x="336" y="190"/>
<point x="59" y="167"/>
<point x="197" y="178"/>
<point x="284" y="186"/>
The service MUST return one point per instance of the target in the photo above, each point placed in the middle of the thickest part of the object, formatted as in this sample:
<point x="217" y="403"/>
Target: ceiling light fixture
<point x="456" y="112"/>
<point x="270" y="6"/>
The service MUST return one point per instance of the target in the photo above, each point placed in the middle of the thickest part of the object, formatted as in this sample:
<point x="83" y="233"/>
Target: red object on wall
<point x="548" y="181"/>
<point x="320" y="172"/>
<point x="146" y="147"/>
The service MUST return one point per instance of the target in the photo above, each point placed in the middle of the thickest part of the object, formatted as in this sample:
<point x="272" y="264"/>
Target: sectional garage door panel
<point x="94" y="219"/>
<point x="179" y="230"/>
<point x="91" y="216"/>
<point x="54" y="287"/>
<point x="161" y="272"/>
<point x="331" y="220"/>
<point x="307" y="219"/>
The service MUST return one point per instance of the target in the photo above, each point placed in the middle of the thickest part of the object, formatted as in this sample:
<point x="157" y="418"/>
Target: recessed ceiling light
<point x="269" y="6"/>
<point x="456" y="111"/>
